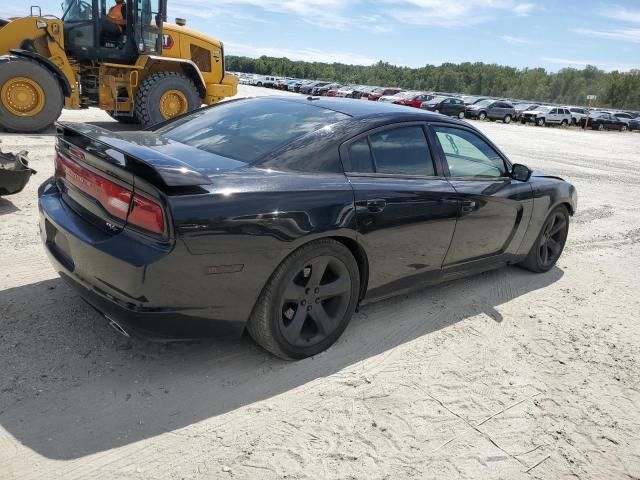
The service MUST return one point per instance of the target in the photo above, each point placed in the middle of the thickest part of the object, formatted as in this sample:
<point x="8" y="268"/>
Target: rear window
<point x="246" y="130"/>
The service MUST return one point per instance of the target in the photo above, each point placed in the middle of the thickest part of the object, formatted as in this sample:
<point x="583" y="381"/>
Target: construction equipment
<point x="126" y="60"/>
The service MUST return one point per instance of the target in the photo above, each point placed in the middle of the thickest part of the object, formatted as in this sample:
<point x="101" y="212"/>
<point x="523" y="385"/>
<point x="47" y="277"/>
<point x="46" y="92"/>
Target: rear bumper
<point x="150" y="290"/>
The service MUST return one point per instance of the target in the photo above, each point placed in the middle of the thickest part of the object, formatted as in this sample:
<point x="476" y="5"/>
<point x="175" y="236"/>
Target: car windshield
<point x="483" y="103"/>
<point x="246" y="130"/>
<point x="544" y="109"/>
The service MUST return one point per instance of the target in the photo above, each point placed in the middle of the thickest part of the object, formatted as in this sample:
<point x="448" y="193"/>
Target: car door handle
<point x="376" y="205"/>
<point x="467" y="206"/>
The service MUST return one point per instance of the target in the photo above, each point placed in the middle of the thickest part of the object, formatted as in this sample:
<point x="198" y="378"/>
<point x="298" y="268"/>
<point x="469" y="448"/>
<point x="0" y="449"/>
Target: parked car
<point x="451" y="106"/>
<point x="379" y="92"/>
<point x="347" y="91"/>
<point x="321" y="90"/>
<point x="471" y="99"/>
<point x="416" y="99"/>
<point x="520" y="108"/>
<point x="625" y="117"/>
<point x="395" y="96"/>
<point x="308" y="88"/>
<point x="234" y="224"/>
<point x="634" y="124"/>
<point x="363" y="92"/>
<point x="547" y="115"/>
<point x="265" y="81"/>
<point x="604" y="121"/>
<point x="491" y="109"/>
<point x="577" y="114"/>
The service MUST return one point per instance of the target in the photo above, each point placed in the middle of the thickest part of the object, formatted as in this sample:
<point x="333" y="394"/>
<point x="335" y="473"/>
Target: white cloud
<point x="609" y="66"/>
<point x="306" y="54"/>
<point x="517" y="41"/>
<point x="449" y="13"/>
<point x="324" y="13"/>
<point x="617" y="12"/>
<point x="524" y="9"/>
<point x="625" y="34"/>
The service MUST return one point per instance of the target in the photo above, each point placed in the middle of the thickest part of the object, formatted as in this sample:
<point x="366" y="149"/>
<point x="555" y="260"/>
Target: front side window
<point x="468" y="155"/>
<point x="399" y="151"/>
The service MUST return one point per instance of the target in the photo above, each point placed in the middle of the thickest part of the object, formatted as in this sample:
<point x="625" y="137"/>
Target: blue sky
<point x="549" y="33"/>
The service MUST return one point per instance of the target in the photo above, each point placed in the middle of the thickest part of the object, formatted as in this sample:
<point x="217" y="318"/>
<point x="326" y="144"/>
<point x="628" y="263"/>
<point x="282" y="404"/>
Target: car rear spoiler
<point x="172" y="171"/>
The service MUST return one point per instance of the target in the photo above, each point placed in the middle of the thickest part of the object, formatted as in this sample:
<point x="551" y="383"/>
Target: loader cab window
<point x="77" y="10"/>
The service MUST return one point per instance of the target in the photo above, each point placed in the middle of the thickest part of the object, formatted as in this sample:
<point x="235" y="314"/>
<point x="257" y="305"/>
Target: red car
<point x="376" y="94"/>
<point x="414" y="100"/>
<point x="332" y="92"/>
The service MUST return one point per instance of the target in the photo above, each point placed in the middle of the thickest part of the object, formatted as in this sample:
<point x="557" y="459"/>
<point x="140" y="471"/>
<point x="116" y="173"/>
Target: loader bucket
<point x="14" y="172"/>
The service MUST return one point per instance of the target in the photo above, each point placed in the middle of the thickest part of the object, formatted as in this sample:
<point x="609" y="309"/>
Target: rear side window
<point x="246" y="130"/>
<point x="468" y="155"/>
<point x="402" y="151"/>
<point x="399" y="151"/>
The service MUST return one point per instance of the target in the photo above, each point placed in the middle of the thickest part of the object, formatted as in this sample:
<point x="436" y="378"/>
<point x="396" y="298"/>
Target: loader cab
<point x="92" y="36"/>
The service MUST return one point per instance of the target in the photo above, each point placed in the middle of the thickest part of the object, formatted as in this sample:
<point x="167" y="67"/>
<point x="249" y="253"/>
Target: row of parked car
<point x="461" y="106"/>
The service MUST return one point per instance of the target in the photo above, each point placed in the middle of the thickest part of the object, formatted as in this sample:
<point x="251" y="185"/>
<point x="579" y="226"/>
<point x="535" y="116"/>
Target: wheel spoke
<point x="553" y="246"/>
<point x="558" y="227"/>
<point x="338" y="287"/>
<point x="544" y="253"/>
<point x="292" y="331"/>
<point x="293" y="292"/>
<point x="318" y="267"/>
<point x="323" y="321"/>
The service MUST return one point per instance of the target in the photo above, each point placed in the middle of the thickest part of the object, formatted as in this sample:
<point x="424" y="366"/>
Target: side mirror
<point x="520" y="172"/>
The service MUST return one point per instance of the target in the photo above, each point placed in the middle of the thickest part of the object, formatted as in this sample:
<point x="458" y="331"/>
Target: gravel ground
<point x="504" y="375"/>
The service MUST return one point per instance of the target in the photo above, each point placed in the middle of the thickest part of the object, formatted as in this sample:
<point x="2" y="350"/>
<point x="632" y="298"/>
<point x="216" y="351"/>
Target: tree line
<point x="615" y="89"/>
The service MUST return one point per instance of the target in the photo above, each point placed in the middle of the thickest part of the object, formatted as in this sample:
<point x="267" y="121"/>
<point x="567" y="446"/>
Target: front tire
<point x="482" y="116"/>
<point x="550" y="242"/>
<point x="308" y="301"/>
<point x="624" y="128"/>
<point x="165" y="95"/>
<point x="30" y="96"/>
<point x="540" y="122"/>
<point x="507" y="119"/>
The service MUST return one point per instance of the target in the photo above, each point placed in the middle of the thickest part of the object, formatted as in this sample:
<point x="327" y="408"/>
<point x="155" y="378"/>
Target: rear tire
<point x="624" y="128"/>
<point x="550" y="242"/>
<point x="564" y="123"/>
<point x="284" y="320"/>
<point x="461" y="115"/>
<point x="30" y="96"/>
<point x="154" y="91"/>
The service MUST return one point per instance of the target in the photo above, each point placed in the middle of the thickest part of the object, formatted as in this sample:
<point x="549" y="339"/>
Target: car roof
<point x="358" y="109"/>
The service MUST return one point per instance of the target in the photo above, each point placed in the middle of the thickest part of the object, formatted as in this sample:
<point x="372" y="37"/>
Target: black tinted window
<point x="402" y="150"/>
<point x="360" y="156"/>
<point x="246" y="130"/>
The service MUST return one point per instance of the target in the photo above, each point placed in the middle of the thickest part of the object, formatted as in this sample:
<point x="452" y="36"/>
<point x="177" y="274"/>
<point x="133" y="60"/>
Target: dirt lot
<point x="505" y="375"/>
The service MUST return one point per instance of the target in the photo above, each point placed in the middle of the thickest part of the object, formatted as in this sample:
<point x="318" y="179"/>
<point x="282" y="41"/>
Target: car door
<point x="494" y="110"/>
<point x="494" y="209"/>
<point x="457" y="106"/>
<point x="406" y="209"/>
<point x="446" y="106"/>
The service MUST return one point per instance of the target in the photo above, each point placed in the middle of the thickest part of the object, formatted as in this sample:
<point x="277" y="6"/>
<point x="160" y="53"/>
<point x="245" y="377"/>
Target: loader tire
<point x="124" y="119"/>
<point x="165" y="95"/>
<point x="31" y="98"/>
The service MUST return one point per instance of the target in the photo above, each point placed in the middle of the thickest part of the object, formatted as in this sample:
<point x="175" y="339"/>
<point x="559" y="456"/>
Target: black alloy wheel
<point x="550" y="242"/>
<point x="315" y="300"/>
<point x="308" y="302"/>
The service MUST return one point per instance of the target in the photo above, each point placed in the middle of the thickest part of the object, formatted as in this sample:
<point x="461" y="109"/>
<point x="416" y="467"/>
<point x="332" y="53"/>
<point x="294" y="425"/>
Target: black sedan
<point x="604" y="121"/>
<point x="451" y="106"/>
<point x="281" y="215"/>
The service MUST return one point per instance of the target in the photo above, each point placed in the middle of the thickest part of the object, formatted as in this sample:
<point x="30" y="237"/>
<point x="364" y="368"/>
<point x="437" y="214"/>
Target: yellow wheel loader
<point x="127" y="61"/>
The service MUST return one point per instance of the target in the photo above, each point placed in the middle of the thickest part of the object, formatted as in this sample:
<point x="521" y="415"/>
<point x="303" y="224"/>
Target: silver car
<point x="547" y="115"/>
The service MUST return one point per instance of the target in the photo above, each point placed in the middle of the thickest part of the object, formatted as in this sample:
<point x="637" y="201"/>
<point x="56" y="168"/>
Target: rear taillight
<point x="146" y="214"/>
<point x="118" y="201"/>
<point x="113" y="198"/>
